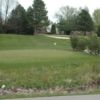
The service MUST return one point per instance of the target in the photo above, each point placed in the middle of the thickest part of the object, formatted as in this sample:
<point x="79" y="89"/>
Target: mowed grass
<point x="15" y="42"/>
<point x="35" y="62"/>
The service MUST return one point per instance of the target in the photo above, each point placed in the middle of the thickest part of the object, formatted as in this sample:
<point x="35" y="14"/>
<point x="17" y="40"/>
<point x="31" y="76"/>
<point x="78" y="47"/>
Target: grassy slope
<point x="13" y="42"/>
<point x="34" y="62"/>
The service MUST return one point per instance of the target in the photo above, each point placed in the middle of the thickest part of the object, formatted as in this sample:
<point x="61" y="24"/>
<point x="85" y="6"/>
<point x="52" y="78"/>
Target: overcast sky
<point x="54" y="5"/>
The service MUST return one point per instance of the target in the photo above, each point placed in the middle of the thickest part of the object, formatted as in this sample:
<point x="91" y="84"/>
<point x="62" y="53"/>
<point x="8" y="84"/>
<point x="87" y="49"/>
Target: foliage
<point x="96" y="17"/>
<point x="78" y="42"/>
<point x="84" y="21"/>
<point x="53" y="29"/>
<point x="30" y="26"/>
<point x="17" y="22"/>
<point x="98" y="30"/>
<point x="66" y="19"/>
<point x="6" y="6"/>
<point x="94" y="45"/>
<point x="82" y="43"/>
<point x="40" y="16"/>
<point x="74" y="41"/>
<point x="90" y="43"/>
<point x="1" y="28"/>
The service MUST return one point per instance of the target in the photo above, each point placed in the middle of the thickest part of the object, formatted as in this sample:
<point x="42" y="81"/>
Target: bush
<point x="98" y="30"/>
<point x="74" y="41"/>
<point x="1" y="29"/>
<point x="81" y="43"/>
<point x="78" y="42"/>
<point x="94" y="45"/>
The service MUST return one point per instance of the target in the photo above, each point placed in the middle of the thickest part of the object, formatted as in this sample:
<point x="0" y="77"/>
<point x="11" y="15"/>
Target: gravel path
<point x="84" y="97"/>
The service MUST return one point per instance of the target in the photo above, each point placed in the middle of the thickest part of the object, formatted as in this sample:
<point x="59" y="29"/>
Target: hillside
<point x="36" y="62"/>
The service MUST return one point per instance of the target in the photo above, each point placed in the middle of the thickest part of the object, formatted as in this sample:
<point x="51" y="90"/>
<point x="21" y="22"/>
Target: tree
<point x="30" y="28"/>
<point x="53" y="29"/>
<point x="66" y="19"/>
<point x="8" y="5"/>
<point x="5" y="8"/>
<point x="17" y="21"/>
<point x="1" y="19"/>
<point x="40" y="16"/>
<point x="96" y="17"/>
<point x="0" y="12"/>
<point x="84" y="21"/>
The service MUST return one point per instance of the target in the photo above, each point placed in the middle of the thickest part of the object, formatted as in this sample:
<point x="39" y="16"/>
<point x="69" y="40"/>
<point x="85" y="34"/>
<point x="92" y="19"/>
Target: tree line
<point x="15" y="19"/>
<point x="71" y="19"/>
<point x="20" y="21"/>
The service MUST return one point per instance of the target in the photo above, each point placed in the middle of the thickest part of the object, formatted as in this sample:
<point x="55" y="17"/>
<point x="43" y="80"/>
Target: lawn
<point x="35" y="62"/>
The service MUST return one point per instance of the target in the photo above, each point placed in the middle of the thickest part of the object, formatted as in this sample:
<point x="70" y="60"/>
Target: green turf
<point x="14" y="42"/>
<point x="35" y="62"/>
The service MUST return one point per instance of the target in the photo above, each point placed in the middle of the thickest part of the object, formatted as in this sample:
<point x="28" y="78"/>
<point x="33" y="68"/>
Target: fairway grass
<point x="41" y="65"/>
<point x="15" y="42"/>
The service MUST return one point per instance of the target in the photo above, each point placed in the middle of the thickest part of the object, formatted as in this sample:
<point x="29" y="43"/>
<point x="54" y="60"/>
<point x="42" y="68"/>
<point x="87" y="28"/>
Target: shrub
<point x="94" y="45"/>
<point x="98" y="30"/>
<point x="82" y="43"/>
<point x="74" y="41"/>
<point x="78" y="42"/>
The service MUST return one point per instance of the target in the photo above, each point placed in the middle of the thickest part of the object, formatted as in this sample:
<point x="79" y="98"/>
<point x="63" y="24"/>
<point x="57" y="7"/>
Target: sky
<point x="53" y="6"/>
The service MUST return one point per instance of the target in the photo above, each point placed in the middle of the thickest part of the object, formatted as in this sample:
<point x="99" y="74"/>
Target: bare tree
<point x="8" y="6"/>
<point x="96" y="17"/>
<point x="66" y="18"/>
<point x="0" y="12"/>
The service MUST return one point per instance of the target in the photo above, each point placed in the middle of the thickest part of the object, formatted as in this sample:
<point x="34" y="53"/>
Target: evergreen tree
<point x="40" y="16"/>
<point x="84" y="21"/>
<point x="53" y="29"/>
<point x="17" y="22"/>
<point x="30" y="26"/>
